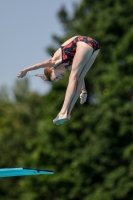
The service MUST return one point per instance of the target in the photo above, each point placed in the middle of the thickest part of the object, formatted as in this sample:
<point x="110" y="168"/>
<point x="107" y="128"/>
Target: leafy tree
<point x="105" y="157"/>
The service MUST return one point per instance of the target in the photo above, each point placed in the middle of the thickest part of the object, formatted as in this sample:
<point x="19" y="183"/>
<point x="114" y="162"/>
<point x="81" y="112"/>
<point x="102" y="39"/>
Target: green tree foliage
<point x="92" y="153"/>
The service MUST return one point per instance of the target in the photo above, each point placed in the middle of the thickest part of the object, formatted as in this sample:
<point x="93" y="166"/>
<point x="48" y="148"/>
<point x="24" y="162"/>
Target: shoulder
<point x="57" y="55"/>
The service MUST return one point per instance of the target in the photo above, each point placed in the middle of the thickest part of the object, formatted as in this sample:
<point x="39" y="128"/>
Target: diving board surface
<point x="8" y="172"/>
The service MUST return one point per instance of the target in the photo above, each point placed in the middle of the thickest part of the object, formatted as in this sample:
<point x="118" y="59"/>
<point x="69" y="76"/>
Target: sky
<point x="26" y="29"/>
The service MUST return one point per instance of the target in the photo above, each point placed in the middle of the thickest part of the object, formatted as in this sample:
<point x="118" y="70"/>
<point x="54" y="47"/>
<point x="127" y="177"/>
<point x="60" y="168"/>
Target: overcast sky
<point x="26" y="28"/>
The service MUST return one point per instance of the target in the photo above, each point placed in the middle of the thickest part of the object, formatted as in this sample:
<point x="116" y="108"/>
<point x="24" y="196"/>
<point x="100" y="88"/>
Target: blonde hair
<point x="47" y="74"/>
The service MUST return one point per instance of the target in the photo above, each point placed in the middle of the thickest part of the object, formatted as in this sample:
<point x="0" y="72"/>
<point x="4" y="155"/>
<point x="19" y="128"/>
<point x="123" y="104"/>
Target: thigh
<point x="89" y="64"/>
<point x="82" y="55"/>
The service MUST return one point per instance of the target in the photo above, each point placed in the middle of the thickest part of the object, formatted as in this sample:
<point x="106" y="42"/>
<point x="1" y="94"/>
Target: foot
<point x="60" y="119"/>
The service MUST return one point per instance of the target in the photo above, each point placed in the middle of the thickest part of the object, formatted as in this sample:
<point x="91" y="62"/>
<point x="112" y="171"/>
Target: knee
<point x="76" y="78"/>
<point x="73" y="77"/>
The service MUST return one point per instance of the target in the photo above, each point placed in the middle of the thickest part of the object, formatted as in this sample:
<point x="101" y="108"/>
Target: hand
<point x="22" y="73"/>
<point x="83" y="97"/>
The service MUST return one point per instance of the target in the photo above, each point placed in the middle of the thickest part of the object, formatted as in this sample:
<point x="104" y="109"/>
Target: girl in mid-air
<point x="76" y="54"/>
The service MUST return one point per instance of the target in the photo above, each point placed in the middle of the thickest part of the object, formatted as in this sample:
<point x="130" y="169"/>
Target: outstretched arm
<point x="47" y="63"/>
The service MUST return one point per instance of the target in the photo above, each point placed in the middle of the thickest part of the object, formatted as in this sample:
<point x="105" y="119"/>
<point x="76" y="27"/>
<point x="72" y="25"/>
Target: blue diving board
<point x="8" y="172"/>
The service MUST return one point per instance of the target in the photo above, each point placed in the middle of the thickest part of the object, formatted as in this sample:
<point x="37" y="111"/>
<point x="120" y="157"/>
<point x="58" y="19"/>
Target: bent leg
<point x="83" y="53"/>
<point x="79" y="83"/>
<point x="81" y="78"/>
